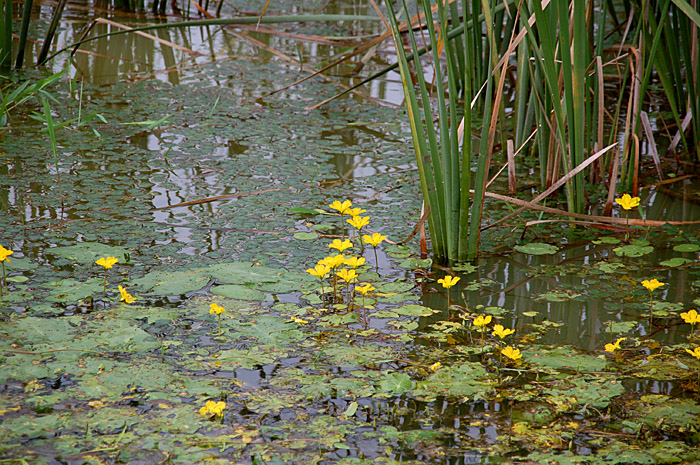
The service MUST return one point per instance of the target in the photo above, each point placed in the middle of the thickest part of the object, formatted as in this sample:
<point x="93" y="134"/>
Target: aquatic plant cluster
<point x="471" y="356"/>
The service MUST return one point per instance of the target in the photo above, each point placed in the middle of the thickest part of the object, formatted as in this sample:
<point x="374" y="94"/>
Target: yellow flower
<point x="627" y="202"/>
<point x="340" y="245"/>
<point x="359" y="222"/>
<point x="481" y="321"/>
<point x="691" y="317"/>
<point x="500" y="331"/>
<point x="653" y="284"/>
<point x="435" y="366"/>
<point x="319" y="270"/>
<point x="364" y="289"/>
<point x="374" y="240"/>
<point x="213" y="408"/>
<point x="107" y="263"/>
<point x="354" y="261"/>
<point x="126" y="297"/>
<point x="216" y="308"/>
<point x="4" y="253"/>
<point x="511" y="353"/>
<point x="347" y="275"/>
<point x="356" y="211"/>
<point x="448" y="281"/>
<point x="333" y="261"/>
<point x="298" y="320"/>
<point x="613" y="347"/>
<point x="341" y="207"/>
<point x="695" y="353"/>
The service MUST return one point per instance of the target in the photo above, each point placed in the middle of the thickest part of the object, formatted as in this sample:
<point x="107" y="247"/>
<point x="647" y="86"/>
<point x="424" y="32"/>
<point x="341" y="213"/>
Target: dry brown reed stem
<point x="360" y="49"/>
<point x="304" y="67"/>
<point x="218" y="197"/>
<point x="148" y="36"/>
<point x="600" y="219"/>
<point x="554" y="186"/>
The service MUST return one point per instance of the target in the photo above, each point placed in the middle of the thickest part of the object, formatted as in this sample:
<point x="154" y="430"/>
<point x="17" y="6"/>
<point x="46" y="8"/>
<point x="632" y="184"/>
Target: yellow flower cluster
<point x="213" y="408"/>
<point x="216" y="308"/>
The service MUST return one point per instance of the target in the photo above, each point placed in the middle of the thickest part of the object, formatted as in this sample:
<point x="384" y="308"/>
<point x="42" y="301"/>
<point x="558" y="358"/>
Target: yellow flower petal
<point x="627" y="202"/>
<point x="449" y="281"/>
<point x="107" y="262"/>
<point x="511" y="353"/>
<point x="216" y="308"/>
<point x="653" y="284"/>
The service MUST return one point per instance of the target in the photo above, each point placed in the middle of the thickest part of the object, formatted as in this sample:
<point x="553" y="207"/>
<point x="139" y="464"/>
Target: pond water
<point x="88" y="379"/>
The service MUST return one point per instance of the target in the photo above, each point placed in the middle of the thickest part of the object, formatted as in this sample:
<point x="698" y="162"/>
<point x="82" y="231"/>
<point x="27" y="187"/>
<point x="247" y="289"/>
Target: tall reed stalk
<point x="443" y="157"/>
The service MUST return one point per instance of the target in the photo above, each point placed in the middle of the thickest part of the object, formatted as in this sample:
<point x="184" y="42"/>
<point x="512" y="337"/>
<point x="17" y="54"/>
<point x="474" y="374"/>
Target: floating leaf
<point x="457" y="380"/>
<point x="172" y="283"/>
<point x="633" y="250"/>
<point x="465" y="268"/>
<point x="558" y="295"/>
<point x="676" y="261"/>
<point x="87" y="252"/>
<point x="234" y="291"/>
<point x="607" y="267"/>
<point x="686" y="248"/>
<point x="414" y="310"/>
<point x="306" y="211"/>
<point x="537" y="248"/>
<point x="305" y="236"/>
<point x="413" y="263"/>
<point x="396" y="383"/>
<point x="607" y="240"/>
<point x="562" y="357"/>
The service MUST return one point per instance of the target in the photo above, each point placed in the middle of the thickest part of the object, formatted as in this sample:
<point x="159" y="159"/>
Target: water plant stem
<point x="104" y="286"/>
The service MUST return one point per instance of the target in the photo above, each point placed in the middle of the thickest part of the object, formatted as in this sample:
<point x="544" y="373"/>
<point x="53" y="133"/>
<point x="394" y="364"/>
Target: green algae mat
<point x="547" y="350"/>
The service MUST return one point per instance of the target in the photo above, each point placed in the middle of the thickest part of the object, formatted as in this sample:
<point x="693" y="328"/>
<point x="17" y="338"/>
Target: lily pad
<point x="537" y="248"/>
<point x="459" y="380"/>
<point x="607" y="240"/>
<point x="244" y="273"/>
<point x="72" y="290"/>
<point x="686" y="248"/>
<point x="396" y="383"/>
<point x="87" y="252"/>
<point x="558" y="295"/>
<point x="562" y="358"/>
<point x="414" y="310"/>
<point x="676" y="261"/>
<point x="234" y="291"/>
<point x="172" y="283"/>
<point x="305" y="236"/>
<point x="633" y="250"/>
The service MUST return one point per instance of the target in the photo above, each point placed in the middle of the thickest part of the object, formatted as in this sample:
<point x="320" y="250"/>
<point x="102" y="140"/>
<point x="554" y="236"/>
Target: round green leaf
<point x="305" y="236"/>
<point x="687" y="248"/>
<point x="234" y="291"/>
<point x="537" y="248"/>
